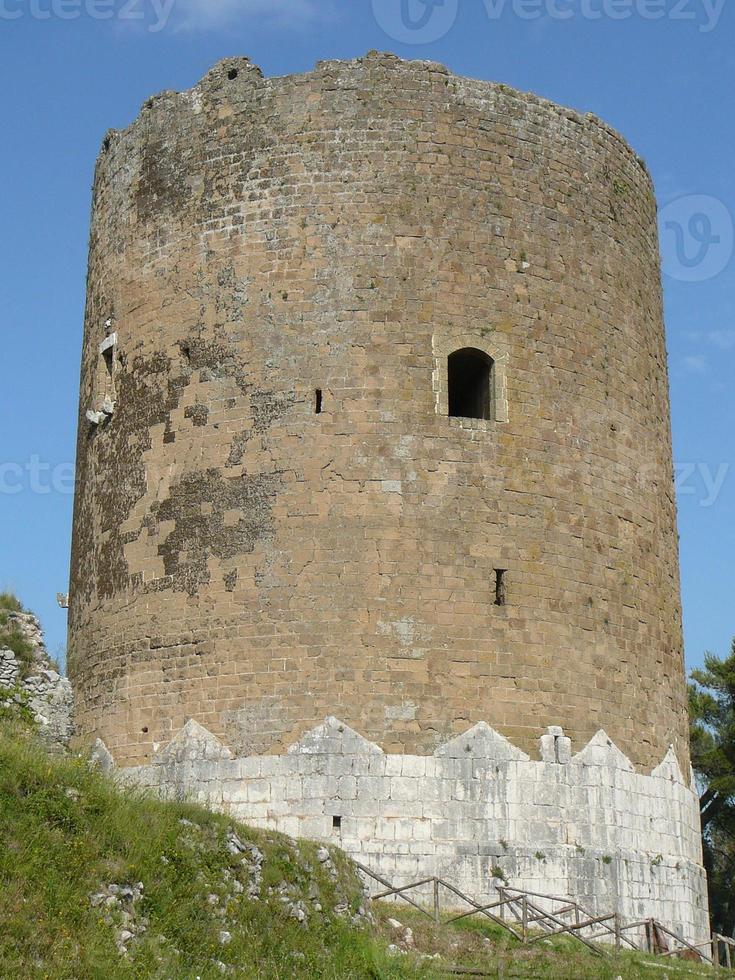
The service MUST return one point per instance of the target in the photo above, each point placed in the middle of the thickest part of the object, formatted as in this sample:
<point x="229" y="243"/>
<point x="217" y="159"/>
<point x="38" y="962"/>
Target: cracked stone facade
<point x="245" y="561"/>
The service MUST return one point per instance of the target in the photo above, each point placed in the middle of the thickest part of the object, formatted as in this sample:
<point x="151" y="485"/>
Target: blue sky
<point x="660" y="71"/>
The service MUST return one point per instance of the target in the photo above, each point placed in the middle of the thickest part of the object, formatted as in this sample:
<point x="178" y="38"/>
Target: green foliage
<point x="712" y="709"/>
<point x="497" y="872"/>
<point x="15" y="708"/>
<point x="11" y="638"/>
<point x="479" y="947"/>
<point x="712" y="732"/>
<point x="9" y="603"/>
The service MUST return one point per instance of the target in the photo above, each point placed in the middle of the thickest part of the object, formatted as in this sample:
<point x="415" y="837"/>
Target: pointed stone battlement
<point x="333" y="737"/>
<point x="481" y="742"/>
<point x="193" y="743"/>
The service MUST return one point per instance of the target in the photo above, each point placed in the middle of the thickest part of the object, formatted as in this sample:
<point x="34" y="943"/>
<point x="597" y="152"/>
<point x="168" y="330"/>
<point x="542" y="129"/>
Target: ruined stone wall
<point x="35" y="682"/>
<point x="248" y="563"/>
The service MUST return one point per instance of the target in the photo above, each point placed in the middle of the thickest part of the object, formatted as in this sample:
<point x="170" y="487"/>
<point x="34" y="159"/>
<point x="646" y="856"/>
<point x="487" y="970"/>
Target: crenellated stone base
<point x="584" y="825"/>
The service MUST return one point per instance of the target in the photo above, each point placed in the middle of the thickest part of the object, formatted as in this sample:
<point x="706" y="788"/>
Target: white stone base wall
<point x="587" y="826"/>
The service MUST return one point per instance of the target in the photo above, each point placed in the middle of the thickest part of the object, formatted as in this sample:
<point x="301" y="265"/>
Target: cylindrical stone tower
<point x="374" y="425"/>
<point x="280" y="520"/>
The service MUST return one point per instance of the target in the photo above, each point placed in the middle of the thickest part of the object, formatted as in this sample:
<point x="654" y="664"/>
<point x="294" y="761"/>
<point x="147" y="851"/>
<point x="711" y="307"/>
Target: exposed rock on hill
<point x="27" y="670"/>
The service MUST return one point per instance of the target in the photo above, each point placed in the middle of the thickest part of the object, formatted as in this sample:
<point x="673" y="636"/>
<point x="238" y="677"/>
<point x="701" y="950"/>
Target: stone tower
<point x="374" y="425"/>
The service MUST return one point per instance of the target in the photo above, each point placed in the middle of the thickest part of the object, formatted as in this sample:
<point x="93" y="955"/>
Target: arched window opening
<point x="470" y="383"/>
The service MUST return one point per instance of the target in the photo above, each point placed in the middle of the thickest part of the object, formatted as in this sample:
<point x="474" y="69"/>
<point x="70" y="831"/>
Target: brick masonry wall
<point x="584" y="825"/>
<point x="242" y="561"/>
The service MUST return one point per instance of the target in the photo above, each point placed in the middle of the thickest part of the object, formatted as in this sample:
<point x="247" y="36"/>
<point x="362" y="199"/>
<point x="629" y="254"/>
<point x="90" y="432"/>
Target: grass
<point x="477" y="945"/>
<point x="9" y="603"/>
<point x="68" y="833"/>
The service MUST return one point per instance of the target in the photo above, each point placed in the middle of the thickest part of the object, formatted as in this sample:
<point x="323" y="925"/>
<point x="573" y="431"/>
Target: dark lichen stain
<point x="149" y="390"/>
<point x="163" y="184"/>
<point x="269" y="407"/>
<point x="196" y="537"/>
<point x="230" y="580"/>
<point x="147" y="394"/>
<point x="198" y="413"/>
<point x="231" y="296"/>
<point x="214" y="360"/>
<point x="237" y="449"/>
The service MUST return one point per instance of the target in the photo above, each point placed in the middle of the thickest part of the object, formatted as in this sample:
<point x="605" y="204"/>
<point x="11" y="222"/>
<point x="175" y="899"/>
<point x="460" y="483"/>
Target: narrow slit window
<point x="470" y="384"/>
<point x="500" y="586"/>
<point x="318" y="401"/>
<point x="336" y="823"/>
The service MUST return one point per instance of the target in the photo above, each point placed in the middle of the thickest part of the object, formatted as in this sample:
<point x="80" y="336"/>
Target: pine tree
<point x="712" y="713"/>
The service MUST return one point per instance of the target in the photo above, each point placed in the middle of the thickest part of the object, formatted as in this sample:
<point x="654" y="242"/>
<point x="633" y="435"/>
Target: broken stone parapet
<point x="554" y="746"/>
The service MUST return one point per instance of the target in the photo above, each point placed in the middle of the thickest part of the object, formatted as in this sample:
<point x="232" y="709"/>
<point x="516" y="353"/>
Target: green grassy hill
<point x="94" y="883"/>
<point x="103" y="884"/>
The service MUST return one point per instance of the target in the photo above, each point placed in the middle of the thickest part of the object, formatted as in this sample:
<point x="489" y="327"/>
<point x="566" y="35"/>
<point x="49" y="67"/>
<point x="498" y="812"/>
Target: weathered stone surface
<point x="9" y="668"/>
<point x="481" y="742"/>
<point x="333" y="736"/>
<point x="602" y="751"/>
<point x="101" y="757"/>
<point x="555" y="746"/>
<point x="192" y="743"/>
<point x="266" y="247"/>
